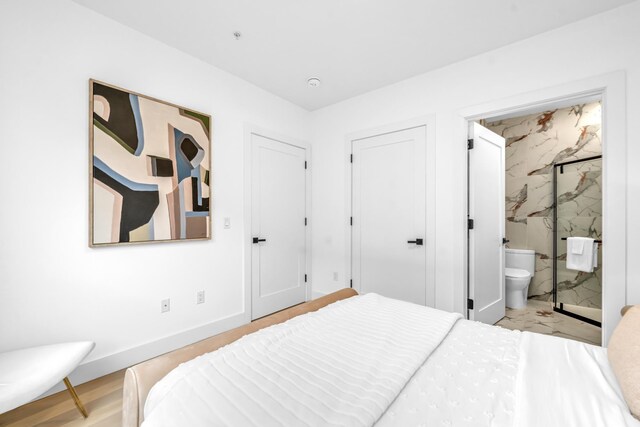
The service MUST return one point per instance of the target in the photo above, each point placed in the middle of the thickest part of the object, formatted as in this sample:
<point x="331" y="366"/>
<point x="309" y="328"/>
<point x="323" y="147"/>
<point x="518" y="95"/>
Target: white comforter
<point x="482" y="375"/>
<point x="396" y="364"/>
<point x="342" y="365"/>
<point x="470" y="381"/>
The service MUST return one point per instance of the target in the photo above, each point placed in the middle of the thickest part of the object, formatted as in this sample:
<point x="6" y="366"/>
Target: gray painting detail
<point x="533" y="144"/>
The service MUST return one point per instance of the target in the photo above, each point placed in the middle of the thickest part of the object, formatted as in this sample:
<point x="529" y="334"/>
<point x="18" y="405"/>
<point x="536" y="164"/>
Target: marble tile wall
<point x="533" y="144"/>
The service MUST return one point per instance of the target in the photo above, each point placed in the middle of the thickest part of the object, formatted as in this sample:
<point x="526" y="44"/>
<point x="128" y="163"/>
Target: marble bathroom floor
<point x="538" y="316"/>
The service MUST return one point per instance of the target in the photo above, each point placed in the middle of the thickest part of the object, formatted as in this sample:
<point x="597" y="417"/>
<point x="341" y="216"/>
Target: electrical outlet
<point x="200" y="298"/>
<point x="165" y="305"/>
<point x="335" y="276"/>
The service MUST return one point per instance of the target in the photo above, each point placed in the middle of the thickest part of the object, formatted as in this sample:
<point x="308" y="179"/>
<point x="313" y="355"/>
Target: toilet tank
<point x="524" y="259"/>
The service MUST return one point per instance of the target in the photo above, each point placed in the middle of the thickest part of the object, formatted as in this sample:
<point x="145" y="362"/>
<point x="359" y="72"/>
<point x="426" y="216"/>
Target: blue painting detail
<point x="135" y="106"/>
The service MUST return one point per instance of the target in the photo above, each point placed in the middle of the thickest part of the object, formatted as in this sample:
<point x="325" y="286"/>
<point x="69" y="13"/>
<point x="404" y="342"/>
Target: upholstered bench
<point x="26" y="374"/>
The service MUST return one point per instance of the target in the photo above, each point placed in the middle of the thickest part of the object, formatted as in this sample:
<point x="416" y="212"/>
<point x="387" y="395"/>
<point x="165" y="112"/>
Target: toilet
<point x="520" y="265"/>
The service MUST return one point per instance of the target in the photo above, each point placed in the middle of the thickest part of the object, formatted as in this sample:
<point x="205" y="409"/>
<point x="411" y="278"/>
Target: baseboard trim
<point x="114" y="362"/>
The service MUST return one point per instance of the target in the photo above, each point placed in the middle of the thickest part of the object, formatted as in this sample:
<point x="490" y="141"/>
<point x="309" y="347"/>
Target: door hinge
<point x="351" y="158"/>
<point x="351" y="283"/>
<point x="469" y="304"/>
<point x="350" y="220"/>
<point x="305" y="221"/>
<point x="470" y="224"/>
<point x="305" y="164"/>
<point x="305" y="278"/>
<point x="470" y="144"/>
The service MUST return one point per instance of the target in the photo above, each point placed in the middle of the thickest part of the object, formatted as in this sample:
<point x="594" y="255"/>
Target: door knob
<point x="418" y="242"/>
<point x="258" y="240"/>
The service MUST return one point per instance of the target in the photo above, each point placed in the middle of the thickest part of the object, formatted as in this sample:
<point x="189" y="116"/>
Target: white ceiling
<point x="353" y="46"/>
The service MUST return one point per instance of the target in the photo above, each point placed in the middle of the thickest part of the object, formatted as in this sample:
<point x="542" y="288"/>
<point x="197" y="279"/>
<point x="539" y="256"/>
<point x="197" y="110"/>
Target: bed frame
<point x="139" y="379"/>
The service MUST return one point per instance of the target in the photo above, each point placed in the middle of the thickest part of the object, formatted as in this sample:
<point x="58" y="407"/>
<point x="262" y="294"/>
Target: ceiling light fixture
<point x="313" y="82"/>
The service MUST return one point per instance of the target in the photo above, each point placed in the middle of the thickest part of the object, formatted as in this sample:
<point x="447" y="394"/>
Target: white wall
<point x="52" y="286"/>
<point x="598" y="45"/>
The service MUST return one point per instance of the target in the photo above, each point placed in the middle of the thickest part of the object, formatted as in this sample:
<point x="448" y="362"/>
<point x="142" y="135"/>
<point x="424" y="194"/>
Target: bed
<point x="362" y="360"/>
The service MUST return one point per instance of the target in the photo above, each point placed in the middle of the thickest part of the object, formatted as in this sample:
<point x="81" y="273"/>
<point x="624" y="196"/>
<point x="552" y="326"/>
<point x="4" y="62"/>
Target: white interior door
<point x="487" y="211"/>
<point x="389" y="219"/>
<point x="278" y="222"/>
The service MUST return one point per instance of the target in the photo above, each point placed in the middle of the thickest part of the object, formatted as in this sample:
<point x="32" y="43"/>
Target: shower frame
<point x="561" y="308"/>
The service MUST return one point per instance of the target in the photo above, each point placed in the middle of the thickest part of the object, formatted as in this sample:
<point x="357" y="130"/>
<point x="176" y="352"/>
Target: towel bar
<point x="597" y="241"/>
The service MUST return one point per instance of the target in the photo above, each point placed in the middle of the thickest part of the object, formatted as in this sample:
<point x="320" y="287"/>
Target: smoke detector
<point x="313" y="82"/>
<point x="237" y="35"/>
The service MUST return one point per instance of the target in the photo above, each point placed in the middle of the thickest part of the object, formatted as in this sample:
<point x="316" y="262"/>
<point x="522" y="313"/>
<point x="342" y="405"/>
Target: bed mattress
<point x="362" y="368"/>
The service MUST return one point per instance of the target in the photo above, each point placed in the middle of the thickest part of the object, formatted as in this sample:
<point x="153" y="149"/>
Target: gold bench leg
<point x="75" y="397"/>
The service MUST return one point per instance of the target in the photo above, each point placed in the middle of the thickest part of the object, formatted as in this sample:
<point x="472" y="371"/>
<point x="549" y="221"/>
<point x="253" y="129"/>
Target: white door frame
<point x="611" y="88"/>
<point x="430" y="246"/>
<point x="249" y="131"/>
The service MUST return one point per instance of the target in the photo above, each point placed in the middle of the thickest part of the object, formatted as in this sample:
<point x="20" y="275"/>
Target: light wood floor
<point x="102" y="397"/>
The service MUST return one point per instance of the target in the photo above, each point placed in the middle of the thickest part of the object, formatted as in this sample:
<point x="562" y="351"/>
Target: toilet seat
<point x="516" y="273"/>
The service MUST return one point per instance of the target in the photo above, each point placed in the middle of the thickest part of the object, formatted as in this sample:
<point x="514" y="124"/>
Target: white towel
<point x="578" y="258"/>
<point x="577" y="246"/>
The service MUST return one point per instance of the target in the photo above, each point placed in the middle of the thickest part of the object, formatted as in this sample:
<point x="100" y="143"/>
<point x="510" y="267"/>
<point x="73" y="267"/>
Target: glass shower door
<point x="577" y="213"/>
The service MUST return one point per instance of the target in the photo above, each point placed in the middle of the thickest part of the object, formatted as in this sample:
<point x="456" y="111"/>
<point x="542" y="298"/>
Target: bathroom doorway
<point x="553" y="191"/>
<point x="610" y="90"/>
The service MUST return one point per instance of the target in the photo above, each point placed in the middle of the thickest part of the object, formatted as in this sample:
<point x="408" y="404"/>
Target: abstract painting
<point x="150" y="167"/>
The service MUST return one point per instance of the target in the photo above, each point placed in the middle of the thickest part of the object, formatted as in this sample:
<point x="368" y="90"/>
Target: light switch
<point x="227" y="223"/>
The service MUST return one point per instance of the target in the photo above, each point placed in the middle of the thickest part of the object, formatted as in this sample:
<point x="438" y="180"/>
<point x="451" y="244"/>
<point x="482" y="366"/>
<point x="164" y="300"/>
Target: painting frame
<point x="183" y="226"/>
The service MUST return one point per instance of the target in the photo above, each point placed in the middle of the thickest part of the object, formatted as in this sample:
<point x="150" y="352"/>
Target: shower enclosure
<point x="577" y="192"/>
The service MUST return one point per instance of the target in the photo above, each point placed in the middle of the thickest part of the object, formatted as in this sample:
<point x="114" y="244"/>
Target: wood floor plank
<point x="102" y="397"/>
